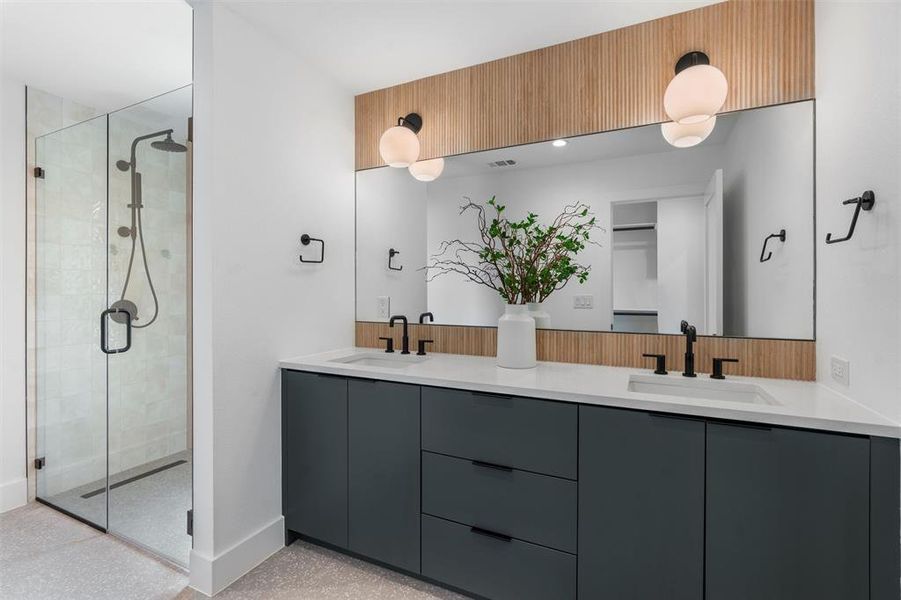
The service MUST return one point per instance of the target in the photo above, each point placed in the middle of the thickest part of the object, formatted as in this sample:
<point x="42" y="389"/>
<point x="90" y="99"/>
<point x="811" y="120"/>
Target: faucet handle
<point x="422" y="343"/>
<point x="390" y="344"/>
<point x="718" y="367"/>
<point x="661" y="362"/>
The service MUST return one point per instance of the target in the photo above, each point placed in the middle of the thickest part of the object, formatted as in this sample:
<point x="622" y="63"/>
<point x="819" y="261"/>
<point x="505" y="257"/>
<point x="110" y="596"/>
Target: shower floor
<point x="147" y="505"/>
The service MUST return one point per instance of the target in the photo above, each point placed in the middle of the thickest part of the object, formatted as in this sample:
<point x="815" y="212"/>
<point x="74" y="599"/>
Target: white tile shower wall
<point x="45" y="113"/>
<point x="70" y="383"/>
<point x="147" y="385"/>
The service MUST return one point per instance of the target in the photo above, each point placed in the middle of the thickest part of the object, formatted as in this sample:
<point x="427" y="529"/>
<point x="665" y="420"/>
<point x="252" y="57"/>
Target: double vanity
<point x="578" y="481"/>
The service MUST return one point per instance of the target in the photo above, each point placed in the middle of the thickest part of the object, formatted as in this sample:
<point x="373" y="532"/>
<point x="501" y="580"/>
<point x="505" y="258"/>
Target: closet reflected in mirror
<point x="680" y="233"/>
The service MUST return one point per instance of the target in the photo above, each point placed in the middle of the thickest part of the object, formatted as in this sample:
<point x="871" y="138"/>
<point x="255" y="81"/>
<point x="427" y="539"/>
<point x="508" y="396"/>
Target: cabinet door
<point x="383" y="433"/>
<point x="787" y="514"/>
<point x="641" y="505"/>
<point x="314" y="455"/>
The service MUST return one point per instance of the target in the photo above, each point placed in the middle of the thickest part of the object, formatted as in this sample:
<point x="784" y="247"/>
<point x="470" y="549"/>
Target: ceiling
<point x="376" y="44"/>
<point x="636" y="141"/>
<point x="107" y="54"/>
<point x="101" y="53"/>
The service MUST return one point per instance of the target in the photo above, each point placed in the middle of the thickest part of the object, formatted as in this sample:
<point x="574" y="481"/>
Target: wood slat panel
<point x="777" y="359"/>
<point x="604" y="82"/>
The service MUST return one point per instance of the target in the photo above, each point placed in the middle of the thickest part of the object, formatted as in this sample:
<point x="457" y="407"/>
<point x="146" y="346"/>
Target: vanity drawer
<point x="533" y="435"/>
<point x="494" y="568"/>
<point x="530" y="507"/>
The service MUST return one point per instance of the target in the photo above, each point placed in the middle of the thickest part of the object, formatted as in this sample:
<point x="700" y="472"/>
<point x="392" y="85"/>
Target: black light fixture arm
<point x="691" y="59"/>
<point x="780" y="236"/>
<point x="863" y="202"/>
<point x="412" y="121"/>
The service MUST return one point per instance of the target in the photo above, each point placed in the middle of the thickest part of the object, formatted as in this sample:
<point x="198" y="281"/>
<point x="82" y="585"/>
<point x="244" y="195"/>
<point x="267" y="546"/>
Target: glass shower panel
<point x="149" y="408"/>
<point x="70" y="293"/>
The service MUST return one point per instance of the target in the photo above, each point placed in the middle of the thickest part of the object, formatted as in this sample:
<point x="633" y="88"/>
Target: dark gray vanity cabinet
<point x="383" y="472"/>
<point x="641" y="505"/>
<point x="788" y="514"/>
<point x="314" y="456"/>
<point x="517" y="498"/>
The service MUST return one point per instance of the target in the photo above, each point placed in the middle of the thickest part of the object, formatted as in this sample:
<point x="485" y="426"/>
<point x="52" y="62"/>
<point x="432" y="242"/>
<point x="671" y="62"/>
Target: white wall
<point x="13" y="486"/>
<point x="274" y="159"/>
<point x="768" y="186"/>
<point x="858" y="56"/>
<point x="391" y="210"/>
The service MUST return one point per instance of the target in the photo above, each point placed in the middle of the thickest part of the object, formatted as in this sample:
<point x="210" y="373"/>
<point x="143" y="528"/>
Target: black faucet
<point x="424" y="315"/>
<point x="406" y="338"/>
<point x="691" y="336"/>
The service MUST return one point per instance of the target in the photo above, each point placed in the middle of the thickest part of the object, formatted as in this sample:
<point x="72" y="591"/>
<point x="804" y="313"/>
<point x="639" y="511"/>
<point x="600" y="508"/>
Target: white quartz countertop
<point x="800" y="403"/>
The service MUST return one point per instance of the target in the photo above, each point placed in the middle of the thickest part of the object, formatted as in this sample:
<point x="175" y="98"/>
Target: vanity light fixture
<point x="427" y="170"/>
<point x="686" y="136"/>
<point x="558" y="143"/>
<point x="399" y="145"/>
<point x="697" y="92"/>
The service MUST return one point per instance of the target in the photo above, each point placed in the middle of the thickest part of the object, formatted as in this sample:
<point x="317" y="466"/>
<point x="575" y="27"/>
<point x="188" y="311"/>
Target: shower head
<point x="169" y="145"/>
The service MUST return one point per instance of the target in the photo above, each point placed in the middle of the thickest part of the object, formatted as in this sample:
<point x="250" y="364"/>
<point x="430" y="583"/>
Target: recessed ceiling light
<point x="559" y="143"/>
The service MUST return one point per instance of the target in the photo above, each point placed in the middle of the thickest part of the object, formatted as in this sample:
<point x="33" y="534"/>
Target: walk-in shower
<point x="112" y="321"/>
<point x="136" y="231"/>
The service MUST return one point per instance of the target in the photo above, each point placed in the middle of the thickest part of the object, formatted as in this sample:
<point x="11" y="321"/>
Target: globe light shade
<point x="427" y="170"/>
<point x="695" y="94"/>
<point x="686" y="136"/>
<point x="399" y="147"/>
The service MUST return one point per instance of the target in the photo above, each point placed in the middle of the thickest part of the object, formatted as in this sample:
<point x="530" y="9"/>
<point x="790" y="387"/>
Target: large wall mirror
<point x="720" y="234"/>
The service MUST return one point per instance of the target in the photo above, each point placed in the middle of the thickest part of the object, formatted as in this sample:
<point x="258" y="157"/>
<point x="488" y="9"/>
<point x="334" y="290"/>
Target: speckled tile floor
<point x="305" y="571"/>
<point x="150" y="511"/>
<point x="45" y="555"/>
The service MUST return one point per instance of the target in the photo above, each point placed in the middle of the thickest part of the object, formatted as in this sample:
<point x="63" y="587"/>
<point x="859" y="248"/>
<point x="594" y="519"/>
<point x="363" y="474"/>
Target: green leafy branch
<point x="523" y="261"/>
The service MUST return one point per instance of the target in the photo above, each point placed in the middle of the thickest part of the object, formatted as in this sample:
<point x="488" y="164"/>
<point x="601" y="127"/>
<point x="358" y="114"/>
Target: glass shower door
<point x="149" y="409"/>
<point x="70" y="294"/>
<point x="112" y="323"/>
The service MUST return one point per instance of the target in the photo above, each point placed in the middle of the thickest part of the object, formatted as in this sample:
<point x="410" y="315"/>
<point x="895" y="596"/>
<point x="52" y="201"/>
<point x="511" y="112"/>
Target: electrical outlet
<point x="841" y="370"/>
<point x="383" y="306"/>
<point x="584" y="301"/>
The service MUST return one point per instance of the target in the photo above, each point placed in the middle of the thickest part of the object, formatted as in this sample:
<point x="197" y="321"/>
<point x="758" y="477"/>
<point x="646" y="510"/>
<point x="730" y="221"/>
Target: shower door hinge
<point x="191" y="521"/>
<point x="39" y="463"/>
<point x="38" y="173"/>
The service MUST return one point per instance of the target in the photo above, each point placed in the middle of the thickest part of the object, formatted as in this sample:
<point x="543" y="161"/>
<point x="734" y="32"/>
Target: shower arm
<point x="141" y="138"/>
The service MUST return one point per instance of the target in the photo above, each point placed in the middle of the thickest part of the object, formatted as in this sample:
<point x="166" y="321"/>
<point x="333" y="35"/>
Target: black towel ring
<point x="863" y="202"/>
<point x="780" y="236"/>
<point x="305" y="239"/>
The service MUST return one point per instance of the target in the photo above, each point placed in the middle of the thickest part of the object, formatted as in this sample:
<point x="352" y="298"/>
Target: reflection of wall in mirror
<point x="391" y="209"/>
<point x="545" y="191"/>
<point x="769" y="186"/>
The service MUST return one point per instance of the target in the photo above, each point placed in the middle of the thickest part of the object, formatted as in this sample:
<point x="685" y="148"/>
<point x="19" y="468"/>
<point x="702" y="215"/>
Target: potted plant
<point x="524" y="262"/>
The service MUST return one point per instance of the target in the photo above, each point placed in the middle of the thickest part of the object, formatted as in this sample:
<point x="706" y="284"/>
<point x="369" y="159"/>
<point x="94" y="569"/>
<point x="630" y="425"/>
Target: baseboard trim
<point x="13" y="494"/>
<point x="210" y="576"/>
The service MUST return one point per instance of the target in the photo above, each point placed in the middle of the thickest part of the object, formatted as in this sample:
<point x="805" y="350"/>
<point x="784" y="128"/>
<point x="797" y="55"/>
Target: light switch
<point x="383" y="306"/>
<point x="583" y="301"/>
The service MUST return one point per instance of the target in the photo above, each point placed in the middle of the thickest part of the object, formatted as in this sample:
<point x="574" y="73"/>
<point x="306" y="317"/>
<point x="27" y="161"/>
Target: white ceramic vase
<point x="516" y="338"/>
<point x="541" y="316"/>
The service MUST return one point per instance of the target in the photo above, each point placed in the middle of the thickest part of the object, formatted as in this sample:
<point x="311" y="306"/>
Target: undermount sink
<point x="383" y="360"/>
<point x="701" y="389"/>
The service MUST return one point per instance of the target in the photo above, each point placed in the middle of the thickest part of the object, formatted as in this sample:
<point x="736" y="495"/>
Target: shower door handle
<point x="103" y="320"/>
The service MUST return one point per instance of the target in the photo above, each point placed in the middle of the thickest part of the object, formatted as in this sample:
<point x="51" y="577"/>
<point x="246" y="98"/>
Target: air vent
<point x="502" y="163"/>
